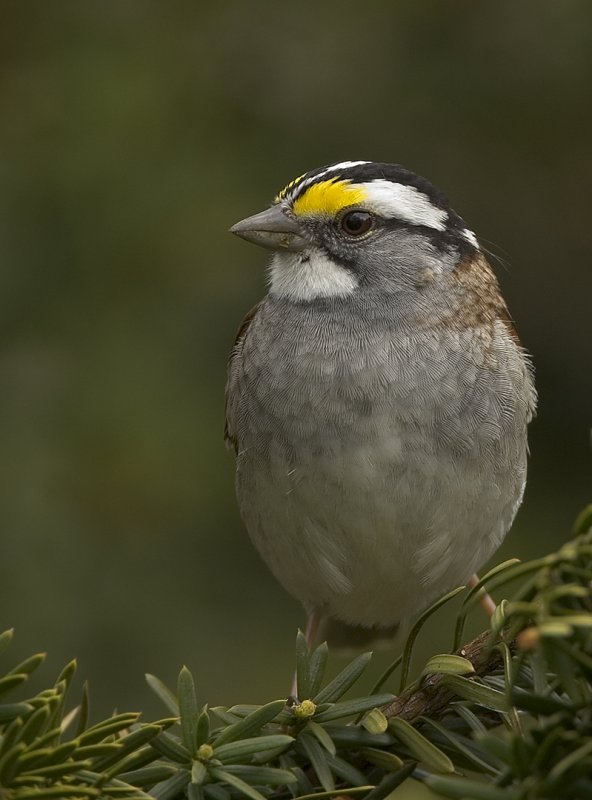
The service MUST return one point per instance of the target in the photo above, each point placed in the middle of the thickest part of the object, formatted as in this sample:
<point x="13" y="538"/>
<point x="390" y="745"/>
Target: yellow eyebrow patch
<point x="328" y="197"/>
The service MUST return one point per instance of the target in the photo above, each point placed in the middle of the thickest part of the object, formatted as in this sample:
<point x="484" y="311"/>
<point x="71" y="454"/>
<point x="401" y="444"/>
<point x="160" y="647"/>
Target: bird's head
<point x="355" y="226"/>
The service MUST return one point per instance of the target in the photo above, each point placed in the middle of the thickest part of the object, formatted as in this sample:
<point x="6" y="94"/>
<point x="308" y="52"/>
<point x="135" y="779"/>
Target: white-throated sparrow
<point x="377" y="397"/>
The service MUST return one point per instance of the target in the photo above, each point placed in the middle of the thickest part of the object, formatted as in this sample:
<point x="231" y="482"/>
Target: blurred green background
<point x="133" y="133"/>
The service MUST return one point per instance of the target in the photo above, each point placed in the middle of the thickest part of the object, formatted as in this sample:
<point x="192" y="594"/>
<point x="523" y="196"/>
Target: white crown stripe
<point x="397" y="200"/>
<point x="344" y="165"/>
<point x="290" y="192"/>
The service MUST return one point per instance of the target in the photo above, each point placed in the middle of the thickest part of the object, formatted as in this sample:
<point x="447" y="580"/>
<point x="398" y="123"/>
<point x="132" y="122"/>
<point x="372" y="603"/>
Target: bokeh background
<point x="133" y="133"/>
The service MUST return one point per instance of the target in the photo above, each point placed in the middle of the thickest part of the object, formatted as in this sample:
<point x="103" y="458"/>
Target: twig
<point x="434" y="696"/>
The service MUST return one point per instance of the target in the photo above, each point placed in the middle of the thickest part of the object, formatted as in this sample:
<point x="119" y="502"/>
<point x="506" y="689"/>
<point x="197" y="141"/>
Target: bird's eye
<point x="356" y="223"/>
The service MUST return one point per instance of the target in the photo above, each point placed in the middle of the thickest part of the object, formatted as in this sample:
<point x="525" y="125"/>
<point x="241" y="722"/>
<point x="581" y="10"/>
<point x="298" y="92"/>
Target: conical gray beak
<point x="271" y="228"/>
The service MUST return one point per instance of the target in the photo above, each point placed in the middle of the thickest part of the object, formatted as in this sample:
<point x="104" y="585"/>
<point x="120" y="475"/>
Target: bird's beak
<point x="271" y="228"/>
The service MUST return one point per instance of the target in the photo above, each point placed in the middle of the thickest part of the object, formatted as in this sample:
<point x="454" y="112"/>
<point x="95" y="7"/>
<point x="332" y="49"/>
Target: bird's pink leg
<point x="314" y="621"/>
<point x="487" y="603"/>
<point x="313" y="627"/>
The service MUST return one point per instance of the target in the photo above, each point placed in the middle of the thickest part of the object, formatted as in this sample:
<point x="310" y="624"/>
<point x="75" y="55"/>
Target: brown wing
<point x="229" y="434"/>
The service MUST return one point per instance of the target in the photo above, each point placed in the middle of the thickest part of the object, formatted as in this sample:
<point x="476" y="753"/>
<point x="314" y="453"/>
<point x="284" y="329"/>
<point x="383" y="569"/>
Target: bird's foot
<point x="486" y="600"/>
<point x="314" y="623"/>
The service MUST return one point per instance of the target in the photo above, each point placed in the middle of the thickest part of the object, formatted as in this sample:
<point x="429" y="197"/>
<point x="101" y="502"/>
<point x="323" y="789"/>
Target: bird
<point x="377" y="399"/>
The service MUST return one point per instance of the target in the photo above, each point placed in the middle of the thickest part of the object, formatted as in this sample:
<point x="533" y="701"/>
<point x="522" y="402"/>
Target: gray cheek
<point x="403" y="260"/>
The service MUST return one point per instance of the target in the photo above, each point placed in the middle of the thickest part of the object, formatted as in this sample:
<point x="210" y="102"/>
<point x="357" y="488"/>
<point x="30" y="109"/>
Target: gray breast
<point x="371" y="451"/>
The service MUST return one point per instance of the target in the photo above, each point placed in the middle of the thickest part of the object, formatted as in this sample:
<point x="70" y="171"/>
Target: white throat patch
<point x="299" y="278"/>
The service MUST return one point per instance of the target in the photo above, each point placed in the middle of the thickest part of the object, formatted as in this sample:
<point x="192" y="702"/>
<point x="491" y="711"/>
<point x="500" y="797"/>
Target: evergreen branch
<point x="433" y="695"/>
<point x="509" y="714"/>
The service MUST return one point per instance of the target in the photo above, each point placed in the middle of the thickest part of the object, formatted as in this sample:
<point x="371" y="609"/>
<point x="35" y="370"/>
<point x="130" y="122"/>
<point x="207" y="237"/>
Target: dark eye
<point x="355" y="223"/>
